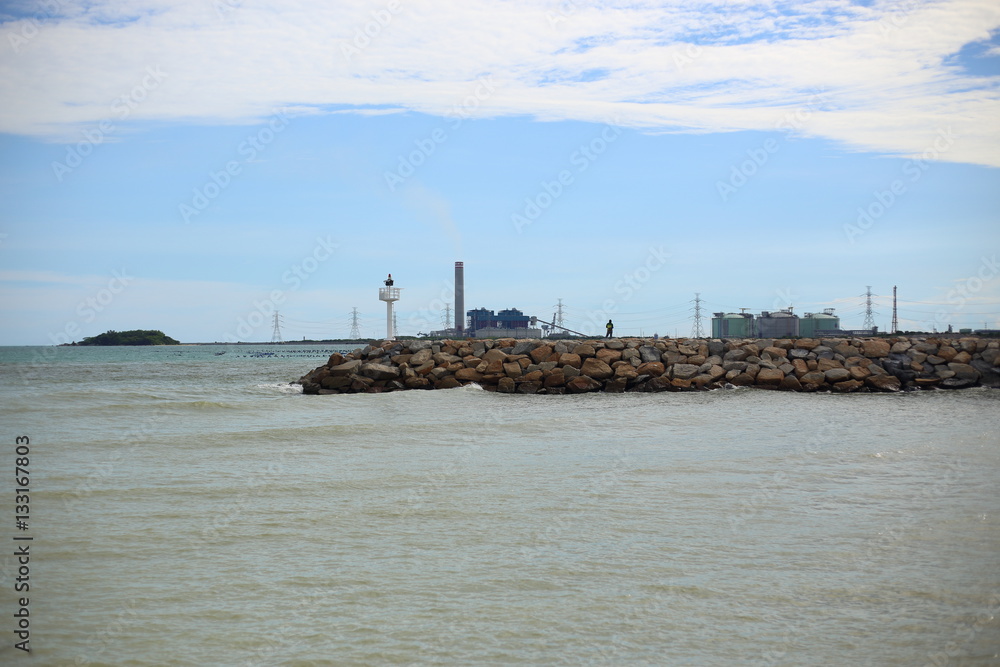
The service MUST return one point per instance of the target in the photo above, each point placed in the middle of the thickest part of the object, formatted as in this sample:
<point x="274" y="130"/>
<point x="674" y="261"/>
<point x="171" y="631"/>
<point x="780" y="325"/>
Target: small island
<point x="134" y="337"/>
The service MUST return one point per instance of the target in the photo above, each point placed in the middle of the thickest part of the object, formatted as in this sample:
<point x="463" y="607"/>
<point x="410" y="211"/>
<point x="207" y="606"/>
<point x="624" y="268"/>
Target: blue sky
<point x="195" y="166"/>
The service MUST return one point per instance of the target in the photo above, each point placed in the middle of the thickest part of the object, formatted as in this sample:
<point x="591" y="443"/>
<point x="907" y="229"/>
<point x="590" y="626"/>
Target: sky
<point x="196" y="166"/>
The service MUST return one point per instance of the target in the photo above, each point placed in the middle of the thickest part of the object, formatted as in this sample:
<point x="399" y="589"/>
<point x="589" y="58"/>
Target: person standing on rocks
<point x="610" y="326"/>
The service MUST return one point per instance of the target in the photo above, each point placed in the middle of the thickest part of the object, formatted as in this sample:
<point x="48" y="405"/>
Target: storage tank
<point x="819" y="324"/>
<point x="780" y="324"/>
<point x="732" y="325"/>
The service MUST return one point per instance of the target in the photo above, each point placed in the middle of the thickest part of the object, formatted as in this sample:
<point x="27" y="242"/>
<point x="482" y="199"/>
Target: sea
<point x="188" y="505"/>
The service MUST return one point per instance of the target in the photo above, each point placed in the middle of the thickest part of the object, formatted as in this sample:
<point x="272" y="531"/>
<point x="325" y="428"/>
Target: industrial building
<point x="732" y="325"/>
<point x="819" y="324"/>
<point x="509" y="322"/>
<point x="779" y="324"/>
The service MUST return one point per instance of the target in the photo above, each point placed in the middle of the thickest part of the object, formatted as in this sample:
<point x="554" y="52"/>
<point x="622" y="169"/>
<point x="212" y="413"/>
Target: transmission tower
<point x="276" y="334"/>
<point x="895" y="322"/>
<point x="355" y="330"/>
<point x="869" y="313"/>
<point x="696" y="331"/>
<point x="557" y="318"/>
<point x="446" y="320"/>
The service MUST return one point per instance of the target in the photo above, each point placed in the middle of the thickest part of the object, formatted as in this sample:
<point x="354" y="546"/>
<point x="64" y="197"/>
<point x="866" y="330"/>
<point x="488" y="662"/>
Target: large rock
<point x="541" y="353"/>
<point x="964" y="371"/>
<point x="683" y="371"/>
<point x="506" y="385"/>
<point x="346" y="368"/>
<point x="584" y="350"/>
<point x="468" y="375"/>
<point x="450" y="382"/>
<point x="654" y="368"/>
<point x="770" y="377"/>
<point x="608" y="355"/>
<point x="377" y="371"/>
<point x="648" y="353"/>
<point x="883" y="382"/>
<point x="989" y="374"/>
<point x="835" y="375"/>
<point x="570" y="359"/>
<point x="582" y="384"/>
<point x="596" y="369"/>
<point x="494" y="355"/>
<point x="525" y="346"/>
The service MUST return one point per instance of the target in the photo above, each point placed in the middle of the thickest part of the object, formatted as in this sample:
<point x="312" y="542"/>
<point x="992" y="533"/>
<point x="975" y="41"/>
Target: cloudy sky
<point x="195" y="165"/>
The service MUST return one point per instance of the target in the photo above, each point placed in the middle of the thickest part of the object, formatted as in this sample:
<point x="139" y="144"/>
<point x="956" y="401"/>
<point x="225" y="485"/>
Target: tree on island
<point x="134" y="337"/>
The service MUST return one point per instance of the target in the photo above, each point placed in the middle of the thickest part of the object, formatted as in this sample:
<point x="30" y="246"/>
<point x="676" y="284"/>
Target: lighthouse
<point x="389" y="294"/>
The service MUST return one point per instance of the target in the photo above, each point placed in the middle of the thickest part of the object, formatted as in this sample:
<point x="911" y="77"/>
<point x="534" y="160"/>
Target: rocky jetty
<point x="641" y="364"/>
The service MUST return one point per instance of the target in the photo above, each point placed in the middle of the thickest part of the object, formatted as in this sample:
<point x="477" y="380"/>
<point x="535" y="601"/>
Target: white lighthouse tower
<point x="389" y="294"/>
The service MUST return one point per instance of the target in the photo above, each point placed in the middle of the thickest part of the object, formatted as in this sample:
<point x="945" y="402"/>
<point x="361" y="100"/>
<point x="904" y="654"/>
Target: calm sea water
<point x="192" y="508"/>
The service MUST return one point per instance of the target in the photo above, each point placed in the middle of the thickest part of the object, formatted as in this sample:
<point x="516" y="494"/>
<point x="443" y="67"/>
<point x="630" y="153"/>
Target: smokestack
<point x="460" y="297"/>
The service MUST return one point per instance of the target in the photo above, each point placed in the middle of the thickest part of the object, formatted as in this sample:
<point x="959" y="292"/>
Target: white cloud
<point x="679" y="66"/>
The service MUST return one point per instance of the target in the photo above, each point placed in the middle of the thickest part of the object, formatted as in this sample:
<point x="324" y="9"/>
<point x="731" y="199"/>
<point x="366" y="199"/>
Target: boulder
<point x="513" y="369"/>
<point x="648" y="353"/>
<point x="596" y="369"/>
<point x="528" y="387"/>
<point x="964" y="371"/>
<point x="814" y="377"/>
<point x="570" y="359"/>
<point x="506" y="385"/>
<point x="654" y="368"/>
<point x="609" y="356"/>
<point x="614" y="344"/>
<point x="582" y="384"/>
<point x="790" y="383"/>
<point x="956" y="383"/>
<point x="377" y="371"/>
<point x="541" y="353"/>
<point x="494" y="355"/>
<point x="848" y="385"/>
<point x="525" y="346"/>
<point x="416" y="383"/>
<point x="468" y="375"/>
<point x="555" y="379"/>
<point x="683" y="371"/>
<point x="883" y="382"/>
<point x="770" y="377"/>
<point x="584" y="350"/>
<point x="346" y="368"/>
<point x="835" y="375"/>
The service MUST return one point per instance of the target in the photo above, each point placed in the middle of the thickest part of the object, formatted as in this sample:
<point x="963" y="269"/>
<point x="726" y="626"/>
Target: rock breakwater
<point x="640" y="364"/>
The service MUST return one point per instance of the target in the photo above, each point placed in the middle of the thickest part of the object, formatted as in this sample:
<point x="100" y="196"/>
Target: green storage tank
<point x="732" y="325"/>
<point x="818" y="324"/>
